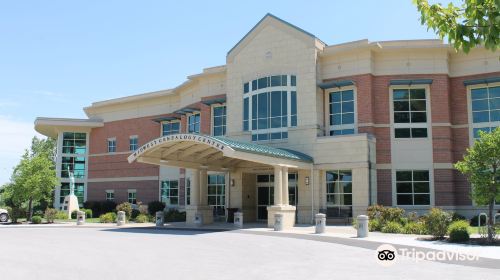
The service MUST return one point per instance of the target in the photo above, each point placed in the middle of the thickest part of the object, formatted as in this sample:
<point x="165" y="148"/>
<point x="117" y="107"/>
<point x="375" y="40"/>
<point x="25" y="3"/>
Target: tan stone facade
<point x="369" y="156"/>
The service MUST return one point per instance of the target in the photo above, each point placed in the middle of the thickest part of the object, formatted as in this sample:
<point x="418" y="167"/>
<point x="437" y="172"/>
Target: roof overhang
<point x="50" y="127"/>
<point x="193" y="151"/>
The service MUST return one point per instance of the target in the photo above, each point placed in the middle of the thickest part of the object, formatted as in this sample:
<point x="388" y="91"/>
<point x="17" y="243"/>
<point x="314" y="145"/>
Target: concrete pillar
<point x="284" y="183"/>
<point x="203" y="186"/>
<point x="278" y="178"/>
<point x="195" y="187"/>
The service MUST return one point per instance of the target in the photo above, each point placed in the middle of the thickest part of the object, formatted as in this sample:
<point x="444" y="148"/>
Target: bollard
<point x="80" y="218"/>
<point x="159" y="218"/>
<point x="320" y="223"/>
<point x="120" y="218"/>
<point x="198" y="219"/>
<point x="278" y="222"/>
<point x="362" y="226"/>
<point x="238" y="220"/>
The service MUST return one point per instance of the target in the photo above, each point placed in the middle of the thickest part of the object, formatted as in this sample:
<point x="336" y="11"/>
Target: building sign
<point x="207" y="140"/>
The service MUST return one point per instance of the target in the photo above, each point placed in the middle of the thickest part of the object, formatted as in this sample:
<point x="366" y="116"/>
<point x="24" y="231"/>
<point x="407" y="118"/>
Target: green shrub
<point x="412" y="217"/>
<point x="475" y="221"/>
<point x="392" y="227"/>
<point x="174" y="215"/>
<point x="414" y="228"/>
<point x="141" y="218"/>
<point x="354" y="223"/>
<point x="457" y="217"/>
<point x="100" y="207"/>
<point x="61" y="215"/>
<point x="458" y="231"/>
<point x="374" y="225"/>
<point x="437" y="222"/>
<point x="88" y="213"/>
<point x="36" y="220"/>
<point x="50" y="215"/>
<point x="125" y="207"/>
<point x="108" y="218"/>
<point x="392" y="215"/>
<point x="16" y="213"/>
<point x="135" y="213"/>
<point x="375" y="211"/>
<point x="73" y="214"/>
<point x="155" y="206"/>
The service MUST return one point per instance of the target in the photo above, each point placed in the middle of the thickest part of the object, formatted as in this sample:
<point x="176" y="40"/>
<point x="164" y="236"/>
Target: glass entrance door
<point x="265" y="193"/>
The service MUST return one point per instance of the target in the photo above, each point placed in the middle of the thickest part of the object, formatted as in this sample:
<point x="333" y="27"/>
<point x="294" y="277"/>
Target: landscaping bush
<point x="36" y="220"/>
<point x="50" y="215"/>
<point x="392" y="215"/>
<point x="155" y="206"/>
<point x="475" y="221"/>
<point x="108" y="218"/>
<point x="414" y="228"/>
<point x="141" y="218"/>
<point x="61" y="215"/>
<point x="437" y="222"/>
<point x="125" y="207"/>
<point x="16" y="213"/>
<point x="458" y="231"/>
<point x="88" y="213"/>
<point x="135" y="213"/>
<point x="375" y="211"/>
<point x="392" y="227"/>
<point x="457" y="217"/>
<point x="100" y="207"/>
<point x="374" y="225"/>
<point x="73" y="214"/>
<point x="173" y="215"/>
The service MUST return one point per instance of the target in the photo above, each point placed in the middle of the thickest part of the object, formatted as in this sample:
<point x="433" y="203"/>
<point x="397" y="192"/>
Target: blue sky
<point x="57" y="57"/>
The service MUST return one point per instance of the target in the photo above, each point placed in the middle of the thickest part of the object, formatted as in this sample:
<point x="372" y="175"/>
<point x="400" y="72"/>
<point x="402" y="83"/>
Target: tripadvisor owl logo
<point x="386" y="255"/>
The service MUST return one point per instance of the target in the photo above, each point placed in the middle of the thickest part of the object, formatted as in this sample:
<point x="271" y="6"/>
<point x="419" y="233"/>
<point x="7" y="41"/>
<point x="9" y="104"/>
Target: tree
<point x="34" y="178"/>
<point x="475" y="22"/>
<point x="481" y="165"/>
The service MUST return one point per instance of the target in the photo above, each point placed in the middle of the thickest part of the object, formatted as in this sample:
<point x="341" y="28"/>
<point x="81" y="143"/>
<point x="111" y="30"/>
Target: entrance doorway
<point x="265" y="193"/>
<point x="217" y="195"/>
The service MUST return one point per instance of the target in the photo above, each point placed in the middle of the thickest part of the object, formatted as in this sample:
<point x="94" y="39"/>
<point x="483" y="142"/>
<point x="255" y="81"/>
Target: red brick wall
<point x="444" y="190"/>
<point x="384" y="187"/>
<point x="147" y="191"/>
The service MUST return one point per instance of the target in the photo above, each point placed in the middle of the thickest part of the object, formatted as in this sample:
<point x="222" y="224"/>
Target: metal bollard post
<point x="362" y="226"/>
<point x="160" y="218"/>
<point x="198" y="219"/>
<point x="80" y="218"/>
<point x="278" y="222"/>
<point x="120" y="218"/>
<point x="320" y="223"/>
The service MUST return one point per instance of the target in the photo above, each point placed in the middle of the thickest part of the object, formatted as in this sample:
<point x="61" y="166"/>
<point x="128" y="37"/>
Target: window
<point x="79" y="192"/>
<point x="485" y="108"/>
<point x="342" y="112"/>
<point x="170" y="192"/>
<point x="216" y="193"/>
<point x="188" y="191"/>
<point x="194" y="123"/>
<point x="74" y="143"/>
<point x="170" y="127"/>
<point x="410" y="113"/>
<point x="110" y="195"/>
<point x="132" y="196"/>
<point x="292" y="188"/>
<point x="219" y="120"/>
<point x="111" y="145"/>
<point x="339" y="193"/>
<point x="133" y="143"/>
<point x="75" y="165"/>
<point x="412" y="187"/>
<point x="270" y="107"/>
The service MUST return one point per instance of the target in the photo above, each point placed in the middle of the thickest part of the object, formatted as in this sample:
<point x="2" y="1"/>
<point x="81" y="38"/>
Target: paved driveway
<point x="128" y="253"/>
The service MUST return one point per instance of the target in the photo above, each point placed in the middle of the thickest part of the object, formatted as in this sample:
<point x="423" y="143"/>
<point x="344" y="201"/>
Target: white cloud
<point x="15" y="137"/>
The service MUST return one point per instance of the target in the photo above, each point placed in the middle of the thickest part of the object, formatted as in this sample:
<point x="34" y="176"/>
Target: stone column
<point x="199" y="212"/>
<point x="195" y="187"/>
<point x="203" y="186"/>
<point x="284" y="183"/>
<point x="278" y="177"/>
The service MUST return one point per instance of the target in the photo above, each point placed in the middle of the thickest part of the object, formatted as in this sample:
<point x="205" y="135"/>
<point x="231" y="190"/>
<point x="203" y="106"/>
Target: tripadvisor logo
<point x="387" y="255"/>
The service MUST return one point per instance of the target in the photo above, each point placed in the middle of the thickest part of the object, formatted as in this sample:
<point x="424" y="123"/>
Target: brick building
<point x="291" y="125"/>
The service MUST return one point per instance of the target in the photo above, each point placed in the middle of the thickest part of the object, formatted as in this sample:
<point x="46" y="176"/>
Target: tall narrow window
<point x="194" y="123"/>
<point x="110" y="195"/>
<point x="112" y="145"/>
<point x="410" y="113"/>
<point x="342" y="112"/>
<point x="339" y="193"/>
<point x="133" y="143"/>
<point x="216" y="193"/>
<point x="412" y="187"/>
<point x="170" y="192"/>
<point x="270" y="107"/>
<point x="73" y="164"/>
<point x="170" y="127"/>
<point x="188" y="191"/>
<point x="219" y="121"/>
<point x="485" y="108"/>
<point x="132" y="196"/>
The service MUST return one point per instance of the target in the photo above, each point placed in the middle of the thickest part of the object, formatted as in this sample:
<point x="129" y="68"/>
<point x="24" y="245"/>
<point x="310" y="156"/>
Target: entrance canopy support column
<point x="278" y="185"/>
<point x="199" y="211"/>
<point x="284" y="182"/>
<point x="281" y="203"/>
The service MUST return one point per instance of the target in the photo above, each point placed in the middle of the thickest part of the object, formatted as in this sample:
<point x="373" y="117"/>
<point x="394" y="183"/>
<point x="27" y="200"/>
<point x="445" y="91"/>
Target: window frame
<point x="188" y="124"/>
<point x="218" y="196"/>
<point x="112" y="192"/>
<point x="471" y="123"/>
<point x="169" y="196"/>
<point x="162" y="131"/>
<point x="212" y="122"/>
<point x="431" y="188"/>
<point x="108" y="141"/>
<point x="134" y="192"/>
<point x="136" y="144"/>
<point x="427" y="125"/>
<point x="332" y="127"/>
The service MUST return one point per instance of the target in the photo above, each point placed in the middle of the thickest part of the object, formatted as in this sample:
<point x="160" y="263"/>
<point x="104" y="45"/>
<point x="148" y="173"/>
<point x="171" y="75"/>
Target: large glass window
<point x="194" y="123"/>
<point x="342" y="112"/>
<point x="188" y="191"/>
<point x="412" y="187"/>
<point x="170" y="127"/>
<point x="75" y="165"/>
<point x="270" y="107"/>
<point x="111" y="145"/>
<point x="132" y="196"/>
<point x="219" y="121"/>
<point x="410" y="113"/>
<point x="79" y="192"/>
<point x="74" y="143"/>
<point x="133" y="143"/>
<point x="485" y="105"/>
<point x="110" y="195"/>
<point x="170" y="192"/>
<point x="217" y="193"/>
<point x="339" y="193"/>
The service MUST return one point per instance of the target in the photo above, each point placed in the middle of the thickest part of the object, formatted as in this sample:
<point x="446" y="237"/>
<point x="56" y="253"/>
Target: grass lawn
<point x="87" y="220"/>
<point x="473" y="230"/>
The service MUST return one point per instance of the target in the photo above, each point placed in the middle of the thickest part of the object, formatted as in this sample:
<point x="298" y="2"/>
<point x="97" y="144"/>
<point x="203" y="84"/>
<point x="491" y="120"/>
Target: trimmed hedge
<point x="100" y="207"/>
<point x="392" y="227"/>
<point x="36" y="220"/>
<point x="108" y="218"/>
<point x="50" y="215"/>
<point x="458" y="231"/>
<point x="141" y="218"/>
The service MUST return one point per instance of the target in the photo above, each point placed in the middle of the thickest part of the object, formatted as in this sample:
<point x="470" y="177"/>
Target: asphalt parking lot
<point x="128" y="253"/>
